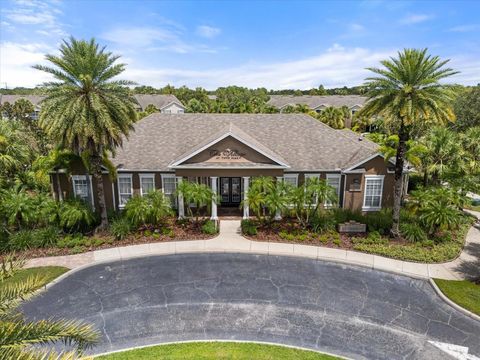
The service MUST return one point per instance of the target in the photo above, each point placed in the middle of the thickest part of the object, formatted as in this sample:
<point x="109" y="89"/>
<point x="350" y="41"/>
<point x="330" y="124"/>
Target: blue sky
<point x="284" y="44"/>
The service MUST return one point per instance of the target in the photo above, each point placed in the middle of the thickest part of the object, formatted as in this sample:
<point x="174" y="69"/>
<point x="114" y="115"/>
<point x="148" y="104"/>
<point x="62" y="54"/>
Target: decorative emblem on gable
<point x="227" y="154"/>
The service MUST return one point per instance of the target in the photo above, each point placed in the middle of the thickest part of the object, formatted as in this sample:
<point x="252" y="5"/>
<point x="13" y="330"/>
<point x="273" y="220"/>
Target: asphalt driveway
<point x="345" y="310"/>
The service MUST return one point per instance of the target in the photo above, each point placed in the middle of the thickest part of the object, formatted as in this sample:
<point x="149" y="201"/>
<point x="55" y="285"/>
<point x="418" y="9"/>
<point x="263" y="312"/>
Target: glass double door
<point x="230" y="191"/>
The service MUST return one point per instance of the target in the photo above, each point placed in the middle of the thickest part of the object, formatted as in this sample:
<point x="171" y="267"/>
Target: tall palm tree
<point x="333" y="117"/>
<point x="86" y="111"/>
<point x="406" y="92"/>
<point x="18" y="336"/>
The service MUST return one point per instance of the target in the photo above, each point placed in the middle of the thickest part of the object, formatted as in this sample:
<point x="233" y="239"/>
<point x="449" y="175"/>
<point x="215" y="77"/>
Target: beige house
<point x="225" y="151"/>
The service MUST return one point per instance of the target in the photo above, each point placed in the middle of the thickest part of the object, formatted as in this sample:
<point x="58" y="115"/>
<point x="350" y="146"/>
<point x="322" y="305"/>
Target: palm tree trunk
<point x="97" y="174"/>
<point x="398" y="186"/>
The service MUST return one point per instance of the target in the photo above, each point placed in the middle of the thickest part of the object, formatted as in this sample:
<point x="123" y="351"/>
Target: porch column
<point x="278" y="213"/>
<point x="246" y="208"/>
<point x="181" y="208"/>
<point x="213" y="184"/>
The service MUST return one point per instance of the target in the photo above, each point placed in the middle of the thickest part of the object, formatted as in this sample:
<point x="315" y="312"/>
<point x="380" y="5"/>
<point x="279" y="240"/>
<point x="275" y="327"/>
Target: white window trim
<point x="146" y="176"/>
<point x="372" y="177"/>
<point x="127" y="176"/>
<point x="83" y="177"/>
<point x="291" y="176"/>
<point x="169" y="176"/>
<point x="339" y="177"/>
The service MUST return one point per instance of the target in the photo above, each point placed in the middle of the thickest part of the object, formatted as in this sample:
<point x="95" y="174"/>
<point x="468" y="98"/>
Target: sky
<point x="272" y="44"/>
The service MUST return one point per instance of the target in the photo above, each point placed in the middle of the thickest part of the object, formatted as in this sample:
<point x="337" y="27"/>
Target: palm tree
<point x="19" y="338"/>
<point x="86" y="111"/>
<point x="333" y="117"/>
<point x="407" y="92"/>
<point x="444" y="153"/>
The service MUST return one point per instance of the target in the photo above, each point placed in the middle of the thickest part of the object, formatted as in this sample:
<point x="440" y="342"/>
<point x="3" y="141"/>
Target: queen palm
<point x="86" y="111"/>
<point x="407" y="92"/>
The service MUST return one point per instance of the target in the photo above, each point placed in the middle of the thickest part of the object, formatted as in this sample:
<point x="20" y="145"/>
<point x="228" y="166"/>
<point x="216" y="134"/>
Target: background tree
<point x="85" y="110"/>
<point x="467" y="108"/>
<point x="406" y="91"/>
<point x="333" y="117"/>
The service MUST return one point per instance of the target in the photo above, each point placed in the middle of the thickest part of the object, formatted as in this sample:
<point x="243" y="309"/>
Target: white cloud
<point x="167" y="38"/>
<point x="41" y="14"/>
<point x="416" y="18"/>
<point x="465" y="28"/>
<point x="208" y="31"/>
<point x="357" y="27"/>
<point x="337" y="66"/>
<point x="16" y="61"/>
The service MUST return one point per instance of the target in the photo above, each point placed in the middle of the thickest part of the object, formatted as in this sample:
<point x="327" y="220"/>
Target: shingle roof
<point x="34" y="99"/>
<point x="314" y="101"/>
<point x="363" y="141"/>
<point x="156" y="99"/>
<point x="144" y="100"/>
<point x="304" y="143"/>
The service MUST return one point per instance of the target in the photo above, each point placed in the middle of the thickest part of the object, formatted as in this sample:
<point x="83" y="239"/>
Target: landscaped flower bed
<point x="172" y="230"/>
<point x="446" y="247"/>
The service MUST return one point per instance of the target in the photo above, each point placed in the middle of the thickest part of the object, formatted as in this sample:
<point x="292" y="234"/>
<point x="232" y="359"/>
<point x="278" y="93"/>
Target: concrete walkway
<point x="230" y="240"/>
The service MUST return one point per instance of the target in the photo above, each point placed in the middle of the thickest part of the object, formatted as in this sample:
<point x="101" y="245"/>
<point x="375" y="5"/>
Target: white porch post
<point x="213" y="184"/>
<point x="181" y="208"/>
<point x="246" y="209"/>
<point x="278" y="214"/>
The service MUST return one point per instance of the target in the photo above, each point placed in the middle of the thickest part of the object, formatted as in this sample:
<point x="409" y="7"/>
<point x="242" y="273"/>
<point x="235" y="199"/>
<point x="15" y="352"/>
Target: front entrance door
<point x="230" y="191"/>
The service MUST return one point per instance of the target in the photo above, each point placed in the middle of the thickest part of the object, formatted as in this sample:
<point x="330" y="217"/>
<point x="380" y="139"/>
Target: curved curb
<point x="222" y="341"/>
<point x="452" y="303"/>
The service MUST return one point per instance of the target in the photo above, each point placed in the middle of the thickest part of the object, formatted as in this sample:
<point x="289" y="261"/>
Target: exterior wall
<point x="354" y="195"/>
<point x="229" y="150"/>
<point x="352" y="198"/>
<point x="173" y="109"/>
<point x="229" y="172"/>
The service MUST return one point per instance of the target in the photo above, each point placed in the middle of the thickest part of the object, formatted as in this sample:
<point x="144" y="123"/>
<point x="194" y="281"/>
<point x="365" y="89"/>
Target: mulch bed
<point x="271" y="233"/>
<point x="181" y="232"/>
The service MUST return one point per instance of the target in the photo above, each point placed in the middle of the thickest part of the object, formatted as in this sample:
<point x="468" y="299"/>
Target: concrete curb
<point x="222" y="341"/>
<point x="451" y="303"/>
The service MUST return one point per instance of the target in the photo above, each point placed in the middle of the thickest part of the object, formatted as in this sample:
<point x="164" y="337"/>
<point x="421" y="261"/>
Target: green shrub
<point x="209" y="227"/>
<point x="373" y="238"/>
<point x="167" y="232"/>
<point x="249" y="227"/>
<point x="324" y="221"/>
<point x="380" y="221"/>
<point x="20" y="240"/>
<point x="78" y="249"/>
<point x="72" y="241"/>
<point x="413" y="232"/>
<point x="120" y="228"/>
<point x="343" y="215"/>
<point x="76" y="216"/>
<point x="150" y="209"/>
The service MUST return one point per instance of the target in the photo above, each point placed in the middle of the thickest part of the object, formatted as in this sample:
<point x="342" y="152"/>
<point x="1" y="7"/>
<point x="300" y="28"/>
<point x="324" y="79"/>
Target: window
<point x="80" y="188"/>
<point x="125" y="190"/>
<point x="334" y="181"/>
<point x="181" y="111"/>
<point x="169" y="185"/>
<point x="147" y="183"/>
<point x="291" y="179"/>
<point x="373" y="192"/>
<point x="166" y="111"/>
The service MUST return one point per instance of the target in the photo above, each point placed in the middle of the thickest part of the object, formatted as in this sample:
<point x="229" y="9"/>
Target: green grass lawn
<point x="464" y="293"/>
<point x="217" y="350"/>
<point x="47" y="273"/>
